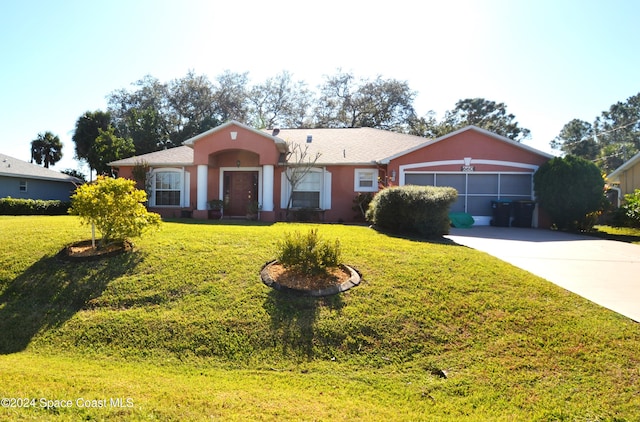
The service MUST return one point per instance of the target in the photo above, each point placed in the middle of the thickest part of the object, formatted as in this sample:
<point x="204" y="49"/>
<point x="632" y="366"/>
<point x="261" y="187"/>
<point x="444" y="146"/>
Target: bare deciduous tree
<point x="299" y="163"/>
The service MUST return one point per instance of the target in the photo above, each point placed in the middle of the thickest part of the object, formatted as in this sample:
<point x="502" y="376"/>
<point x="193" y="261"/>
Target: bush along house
<point x="250" y="171"/>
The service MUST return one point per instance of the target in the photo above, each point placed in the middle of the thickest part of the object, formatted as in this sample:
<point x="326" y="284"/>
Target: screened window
<point x="307" y="192"/>
<point x="168" y="188"/>
<point x="23" y="186"/>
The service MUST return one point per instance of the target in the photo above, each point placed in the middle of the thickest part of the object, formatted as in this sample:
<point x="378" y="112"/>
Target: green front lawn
<point x="183" y="329"/>
<point x="621" y="234"/>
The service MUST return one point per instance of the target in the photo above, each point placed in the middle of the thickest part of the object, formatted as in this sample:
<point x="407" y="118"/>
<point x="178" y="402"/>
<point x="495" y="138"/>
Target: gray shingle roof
<point x="337" y="146"/>
<point x="12" y="167"/>
<point x="178" y="156"/>
<point x="351" y="145"/>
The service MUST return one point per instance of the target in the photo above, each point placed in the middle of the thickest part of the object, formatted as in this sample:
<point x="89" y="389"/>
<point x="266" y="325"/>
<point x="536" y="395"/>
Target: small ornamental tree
<point x="115" y="207"/>
<point x="569" y="188"/>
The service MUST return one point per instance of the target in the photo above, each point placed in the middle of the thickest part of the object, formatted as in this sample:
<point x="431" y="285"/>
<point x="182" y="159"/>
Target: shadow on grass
<point x="50" y="292"/>
<point x="222" y="222"/>
<point x="413" y="237"/>
<point x="627" y="238"/>
<point x="293" y="321"/>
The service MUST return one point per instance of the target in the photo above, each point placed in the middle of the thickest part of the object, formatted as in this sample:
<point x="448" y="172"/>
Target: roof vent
<point x="275" y="131"/>
<point x="309" y="138"/>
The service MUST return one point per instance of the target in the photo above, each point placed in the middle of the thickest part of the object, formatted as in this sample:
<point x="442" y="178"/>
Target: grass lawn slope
<point x="184" y="329"/>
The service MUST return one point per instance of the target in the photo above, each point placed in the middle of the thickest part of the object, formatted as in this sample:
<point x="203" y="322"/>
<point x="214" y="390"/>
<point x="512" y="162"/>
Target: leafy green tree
<point x="109" y="147"/>
<point x="577" y="138"/>
<point x="115" y="207"/>
<point x="157" y="115"/>
<point x="87" y="130"/>
<point x="569" y="188"/>
<point x="46" y="149"/>
<point x="485" y="114"/>
<point x="142" y="114"/>
<point x="613" y="138"/>
<point x="618" y="133"/>
<point x="381" y="103"/>
<point x="231" y="97"/>
<point x="191" y="106"/>
<point x="427" y="126"/>
<point x="280" y="102"/>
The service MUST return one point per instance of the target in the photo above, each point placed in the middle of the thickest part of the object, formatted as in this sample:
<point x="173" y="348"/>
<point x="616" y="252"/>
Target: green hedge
<point x="422" y="210"/>
<point x="14" y="206"/>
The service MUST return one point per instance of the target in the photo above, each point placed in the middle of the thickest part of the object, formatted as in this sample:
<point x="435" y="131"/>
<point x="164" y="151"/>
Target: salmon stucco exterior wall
<point x="486" y="153"/>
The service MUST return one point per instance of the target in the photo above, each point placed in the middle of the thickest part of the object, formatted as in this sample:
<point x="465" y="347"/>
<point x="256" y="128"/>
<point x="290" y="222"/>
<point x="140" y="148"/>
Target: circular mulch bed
<point x="338" y="280"/>
<point x="84" y="251"/>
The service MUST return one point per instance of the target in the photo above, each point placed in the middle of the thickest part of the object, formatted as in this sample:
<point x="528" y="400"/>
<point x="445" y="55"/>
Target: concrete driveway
<point x="606" y="272"/>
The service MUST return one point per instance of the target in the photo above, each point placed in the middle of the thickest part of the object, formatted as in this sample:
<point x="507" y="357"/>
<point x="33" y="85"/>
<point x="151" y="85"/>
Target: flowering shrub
<point x="115" y="207"/>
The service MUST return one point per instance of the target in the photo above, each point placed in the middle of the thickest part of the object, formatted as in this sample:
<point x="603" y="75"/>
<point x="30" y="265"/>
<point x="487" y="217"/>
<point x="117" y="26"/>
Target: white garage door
<point x="477" y="190"/>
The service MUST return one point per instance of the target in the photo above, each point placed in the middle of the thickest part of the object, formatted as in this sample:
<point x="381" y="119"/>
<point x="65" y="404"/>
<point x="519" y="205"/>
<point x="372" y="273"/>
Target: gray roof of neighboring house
<point x="12" y="167"/>
<point x="178" y="156"/>
<point x="615" y="175"/>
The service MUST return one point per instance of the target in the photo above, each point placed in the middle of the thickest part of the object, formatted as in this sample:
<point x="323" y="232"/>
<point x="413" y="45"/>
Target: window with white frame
<point x="23" y="186"/>
<point x="307" y="192"/>
<point x="167" y="188"/>
<point x="366" y="180"/>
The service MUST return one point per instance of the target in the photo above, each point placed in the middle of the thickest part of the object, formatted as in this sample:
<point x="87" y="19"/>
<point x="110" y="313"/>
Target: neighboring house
<point x="20" y="179"/>
<point x="627" y="176"/>
<point x="242" y="165"/>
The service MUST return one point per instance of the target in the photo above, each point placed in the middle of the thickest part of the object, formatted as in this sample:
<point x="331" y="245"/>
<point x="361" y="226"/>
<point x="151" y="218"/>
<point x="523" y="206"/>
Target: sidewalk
<point x="606" y="272"/>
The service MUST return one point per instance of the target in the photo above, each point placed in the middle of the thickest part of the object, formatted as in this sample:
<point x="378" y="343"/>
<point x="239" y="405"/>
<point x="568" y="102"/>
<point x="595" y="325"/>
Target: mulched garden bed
<point x="84" y="251"/>
<point x="336" y="280"/>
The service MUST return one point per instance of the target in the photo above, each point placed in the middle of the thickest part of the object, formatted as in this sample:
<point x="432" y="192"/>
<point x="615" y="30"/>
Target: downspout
<point x="382" y="170"/>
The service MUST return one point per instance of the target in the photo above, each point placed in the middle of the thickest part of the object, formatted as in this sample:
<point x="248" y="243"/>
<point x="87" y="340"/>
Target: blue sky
<point x="548" y="61"/>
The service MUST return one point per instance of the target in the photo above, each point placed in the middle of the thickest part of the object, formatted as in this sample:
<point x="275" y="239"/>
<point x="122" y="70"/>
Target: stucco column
<point x="267" y="187"/>
<point x="203" y="172"/>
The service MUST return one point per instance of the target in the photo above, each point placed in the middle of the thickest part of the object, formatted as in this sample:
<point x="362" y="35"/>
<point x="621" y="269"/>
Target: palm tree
<point x="47" y="149"/>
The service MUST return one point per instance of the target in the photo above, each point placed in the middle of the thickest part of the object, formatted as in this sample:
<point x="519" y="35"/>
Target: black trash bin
<point x="501" y="212"/>
<point x="523" y="213"/>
